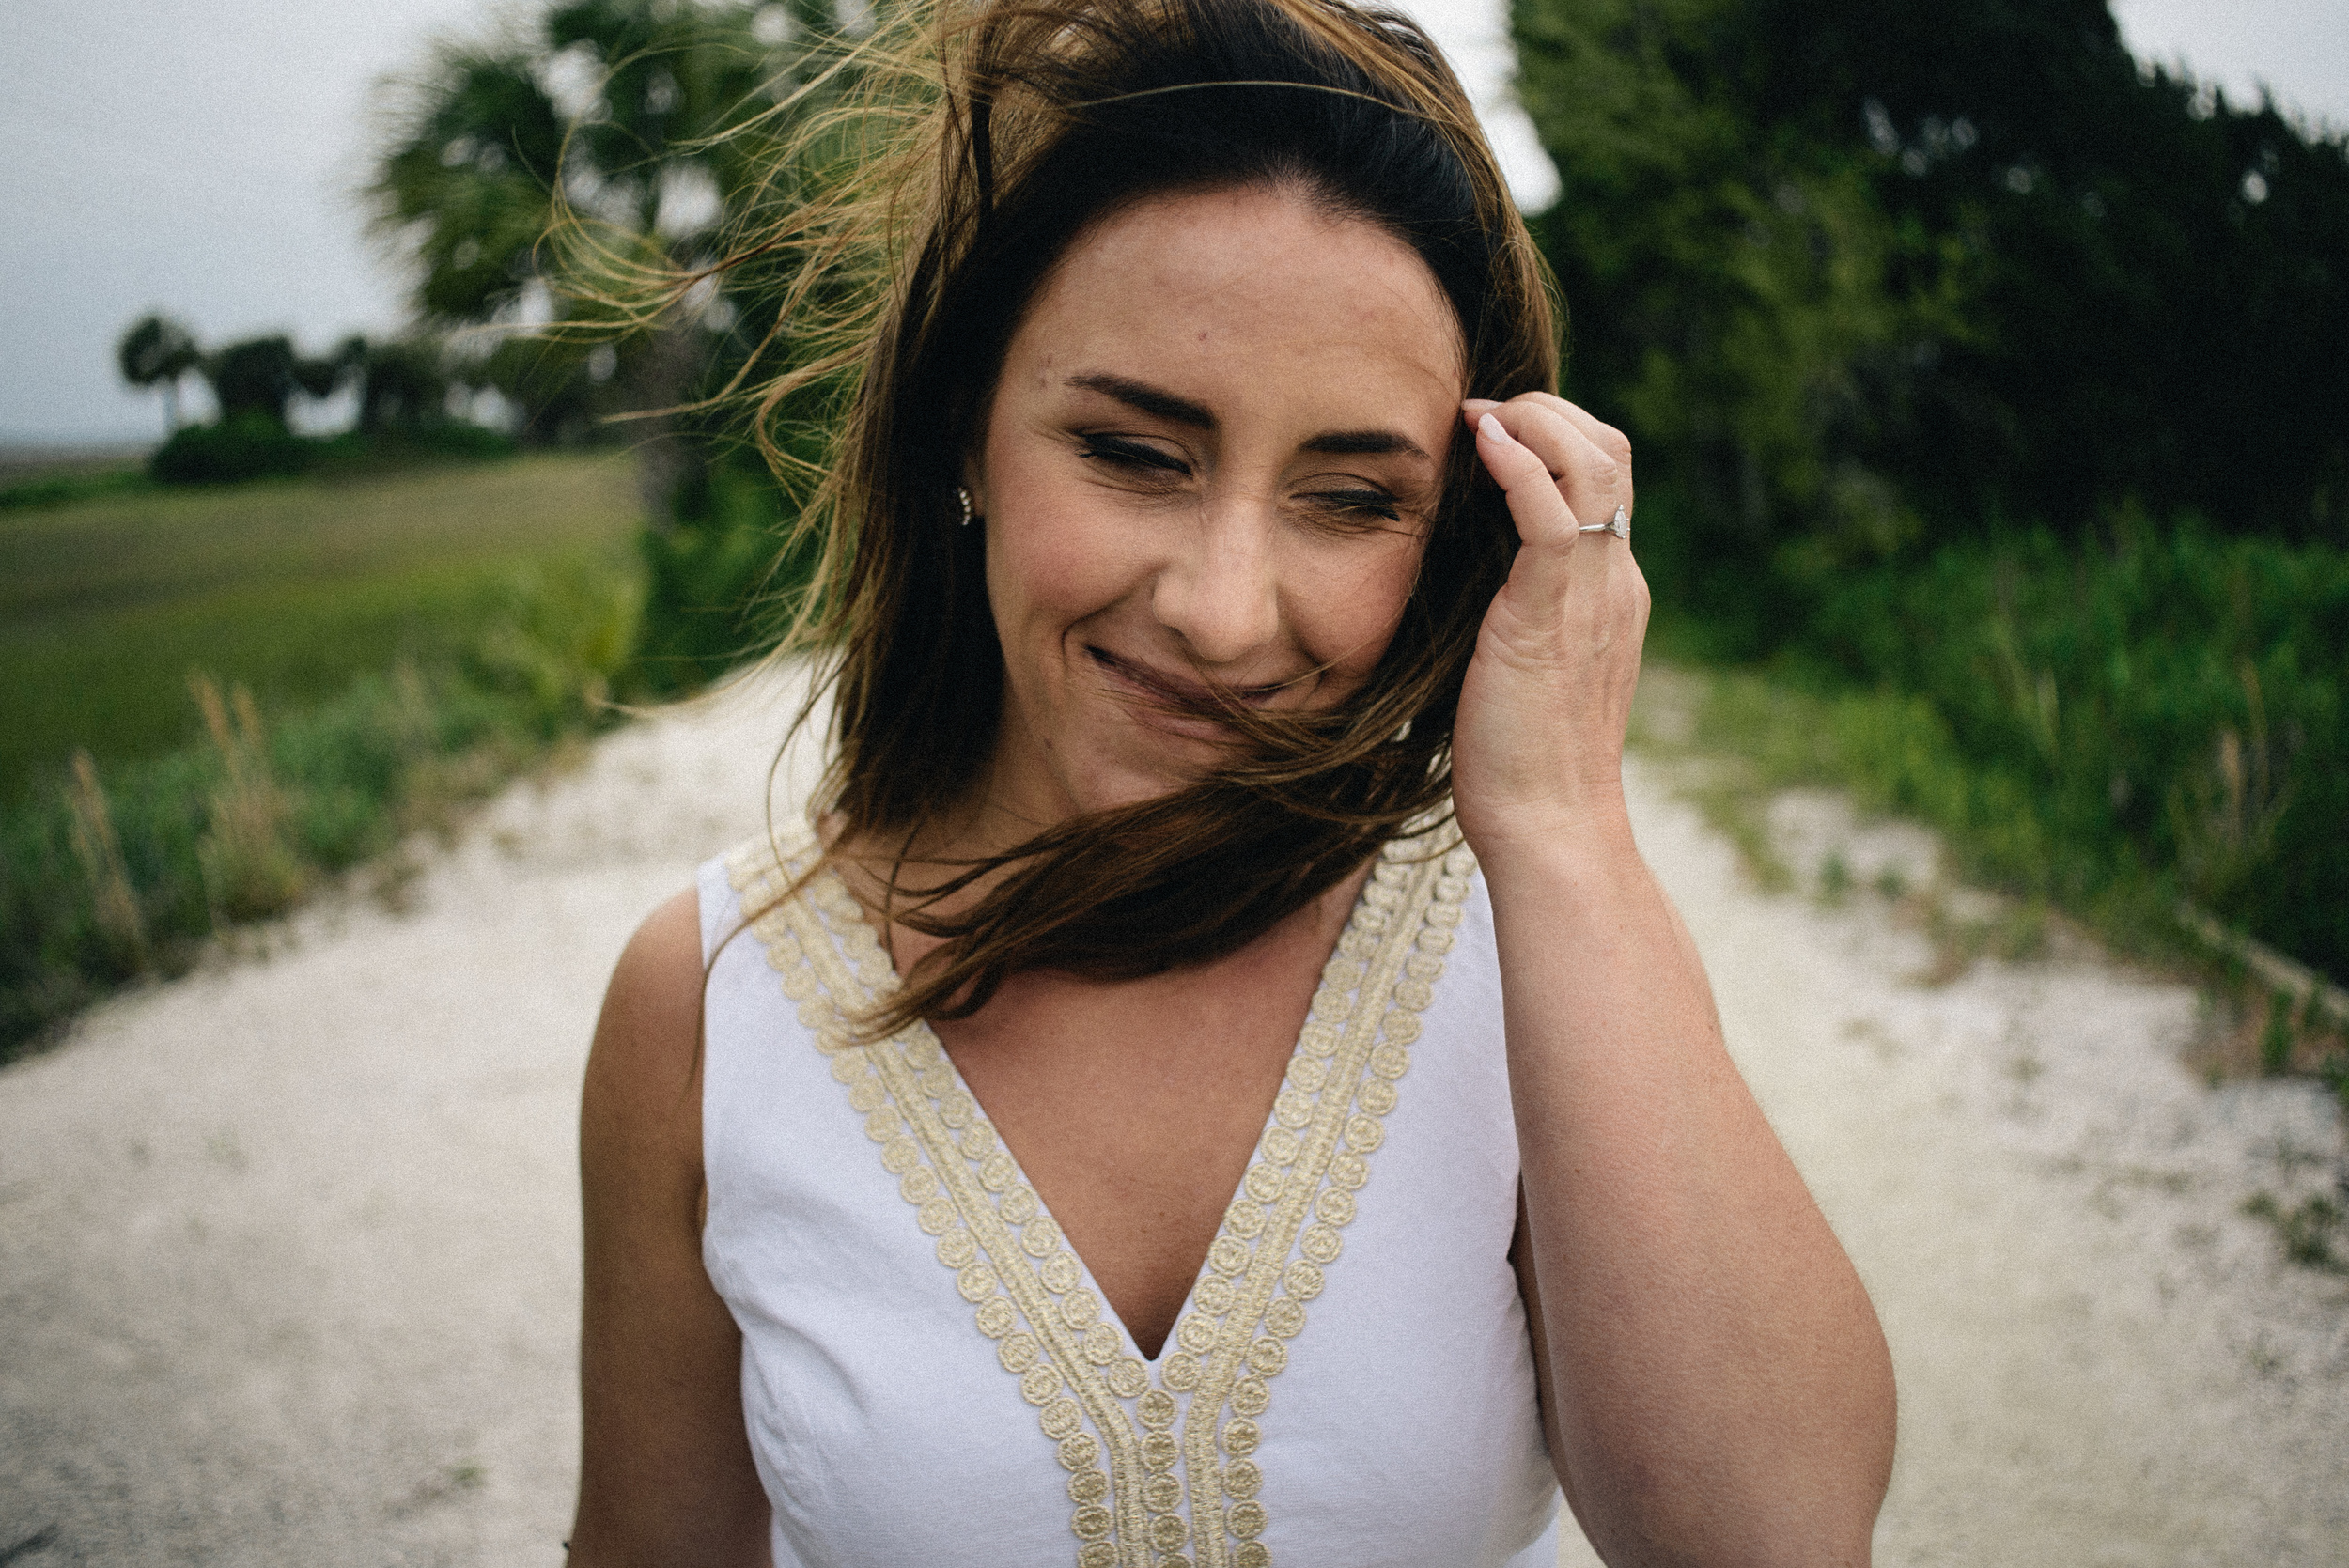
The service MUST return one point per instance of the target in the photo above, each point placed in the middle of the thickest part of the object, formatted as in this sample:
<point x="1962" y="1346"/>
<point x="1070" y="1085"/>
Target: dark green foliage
<point x="158" y="351"/>
<point x="1966" y="360"/>
<point x="654" y="161"/>
<point x="557" y="398"/>
<point x="622" y="102"/>
<point x="2153" y="716"/>
<point x="156" y="348"/>
<point x="257" y="380"/>
<point x="250" y="447"/>
<point x="403" y="384"/>
<point x="1853" y="277"/>
<point x="254" y="447"/>
<point x="474" y="177"/>
<point x="715" y="580"/>
<point x="403" y="390"/>
<point x="2172" y="698"/>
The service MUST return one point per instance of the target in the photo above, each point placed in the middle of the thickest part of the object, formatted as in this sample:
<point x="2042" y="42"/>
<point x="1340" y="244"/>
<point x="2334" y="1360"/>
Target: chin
<point x="1148" y="763"/>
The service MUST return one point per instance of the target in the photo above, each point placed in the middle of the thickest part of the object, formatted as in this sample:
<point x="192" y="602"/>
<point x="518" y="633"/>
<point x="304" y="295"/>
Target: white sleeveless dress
<point x="929" y="1375"/>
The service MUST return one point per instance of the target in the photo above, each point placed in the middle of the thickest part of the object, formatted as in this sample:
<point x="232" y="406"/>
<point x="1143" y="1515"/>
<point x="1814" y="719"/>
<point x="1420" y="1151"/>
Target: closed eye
<point x="1118" y="452"/>
<point x="1376" y="504"/>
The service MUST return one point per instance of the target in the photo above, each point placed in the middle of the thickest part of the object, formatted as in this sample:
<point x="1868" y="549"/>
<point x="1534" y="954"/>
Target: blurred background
<point x="1986" y="367"/>
<point x="1984" y="361"/>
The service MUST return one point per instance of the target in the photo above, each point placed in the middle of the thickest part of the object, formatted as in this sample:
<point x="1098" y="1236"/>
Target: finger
<point x="1614" y="443"/>
<point x="1614" y="482"/>
<point x="1603" y="435"/>
<point x="1593" y="484"/>
<point x="1550" y="539"/>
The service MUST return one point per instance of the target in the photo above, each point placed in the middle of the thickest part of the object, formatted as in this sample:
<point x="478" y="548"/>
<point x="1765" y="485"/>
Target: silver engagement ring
<point x="1619" y="525"/>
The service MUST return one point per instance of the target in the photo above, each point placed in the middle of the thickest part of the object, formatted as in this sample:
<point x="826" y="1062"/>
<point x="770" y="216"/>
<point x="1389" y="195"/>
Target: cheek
<point x="1046" y="569"/>
<point x="1357" y="606"/>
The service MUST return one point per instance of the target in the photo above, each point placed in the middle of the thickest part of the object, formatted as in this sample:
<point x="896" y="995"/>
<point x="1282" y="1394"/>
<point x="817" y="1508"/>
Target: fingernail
<point x="1478" y="403"/>
<point x="1490" y="428"/>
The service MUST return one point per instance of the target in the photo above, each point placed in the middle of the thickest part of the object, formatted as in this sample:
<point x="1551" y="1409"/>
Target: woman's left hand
<point x="1702" y="1322"/>
<point x="1537" y="748"/>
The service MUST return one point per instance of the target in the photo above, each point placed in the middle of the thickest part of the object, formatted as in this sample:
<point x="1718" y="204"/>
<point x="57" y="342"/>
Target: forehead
<point x="1246" y="292"/>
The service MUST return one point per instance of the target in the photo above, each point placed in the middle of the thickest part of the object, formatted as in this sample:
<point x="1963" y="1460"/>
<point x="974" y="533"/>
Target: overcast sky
<point x="199" y="159"/>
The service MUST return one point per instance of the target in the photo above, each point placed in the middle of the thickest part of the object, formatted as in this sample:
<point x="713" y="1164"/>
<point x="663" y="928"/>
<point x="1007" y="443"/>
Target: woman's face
<point x="1210" y="461"/>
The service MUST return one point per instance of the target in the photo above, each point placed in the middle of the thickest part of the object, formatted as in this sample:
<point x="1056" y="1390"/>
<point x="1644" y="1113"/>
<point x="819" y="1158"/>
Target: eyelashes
<point x="1133" y="456"/>
<point x="1376" y="503"/>
<point x="1139" y="461"/>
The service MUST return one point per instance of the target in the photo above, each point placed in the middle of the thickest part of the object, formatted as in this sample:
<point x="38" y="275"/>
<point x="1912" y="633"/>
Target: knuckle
<point x="1535" y="470"/>
<point x="1521" y="465"/>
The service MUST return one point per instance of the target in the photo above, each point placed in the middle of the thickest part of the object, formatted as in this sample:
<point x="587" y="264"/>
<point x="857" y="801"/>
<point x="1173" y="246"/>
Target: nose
<point x="1220" y="593"/>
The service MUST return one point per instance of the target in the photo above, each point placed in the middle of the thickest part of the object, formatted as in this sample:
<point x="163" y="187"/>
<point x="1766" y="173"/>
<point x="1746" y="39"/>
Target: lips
<point x="1188" y="698"/>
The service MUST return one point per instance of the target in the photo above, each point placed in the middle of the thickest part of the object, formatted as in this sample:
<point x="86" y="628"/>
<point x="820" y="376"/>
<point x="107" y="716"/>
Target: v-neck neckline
<point x="1200" y="1271"/>
<point x="1037" y="1299"/>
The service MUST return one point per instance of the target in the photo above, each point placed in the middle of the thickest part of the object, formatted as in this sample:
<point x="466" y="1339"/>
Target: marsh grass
<point x="2115" y="725"/>
<point x="251" y="870"/>
<point x="129" y="871"/>
<point x="252" y="693"/>
<point x="114" y="906"/>
<point x="292" y="588"/>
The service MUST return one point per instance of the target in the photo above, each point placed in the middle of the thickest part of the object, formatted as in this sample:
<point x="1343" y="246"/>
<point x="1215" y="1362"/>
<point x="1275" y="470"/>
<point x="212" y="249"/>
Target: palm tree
<point x="157" y="351"/>
<point x="601" y="113"/>
<point x="257" y="378"/>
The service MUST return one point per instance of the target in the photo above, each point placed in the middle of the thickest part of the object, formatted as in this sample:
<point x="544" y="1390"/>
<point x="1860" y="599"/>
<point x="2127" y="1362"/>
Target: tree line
<point x="1861" y="280"/>
<point x="1856" y="281"/>
<point x="1971" y="361"/>
<point x="401" y="385"/>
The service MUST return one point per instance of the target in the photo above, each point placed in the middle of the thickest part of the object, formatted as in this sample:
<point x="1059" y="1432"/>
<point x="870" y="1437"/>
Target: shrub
<point x="252" y="447"/>
<point x="712" y="578"/>
<point x="2161" y="702"/>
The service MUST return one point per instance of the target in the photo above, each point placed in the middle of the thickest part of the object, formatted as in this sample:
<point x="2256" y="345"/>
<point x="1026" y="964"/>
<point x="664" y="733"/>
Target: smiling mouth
<point x="1183" y="698"/>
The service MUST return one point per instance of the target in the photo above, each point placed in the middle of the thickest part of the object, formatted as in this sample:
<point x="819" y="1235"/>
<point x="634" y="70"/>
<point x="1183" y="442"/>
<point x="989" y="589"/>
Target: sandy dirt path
<point x="288" y="1249"/>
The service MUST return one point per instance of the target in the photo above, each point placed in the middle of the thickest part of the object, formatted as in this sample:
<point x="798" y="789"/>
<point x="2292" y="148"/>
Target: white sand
<point x="288" y="1249"/>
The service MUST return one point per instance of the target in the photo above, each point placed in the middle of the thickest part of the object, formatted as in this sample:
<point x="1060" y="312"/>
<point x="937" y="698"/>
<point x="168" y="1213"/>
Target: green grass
<point x="292" y="588"/>
<point x="2164" y="706"/>
<point x="220" y="698"/>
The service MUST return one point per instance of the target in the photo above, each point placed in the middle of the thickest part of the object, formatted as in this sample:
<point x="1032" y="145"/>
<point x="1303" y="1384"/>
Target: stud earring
<point x="964" y="496"/>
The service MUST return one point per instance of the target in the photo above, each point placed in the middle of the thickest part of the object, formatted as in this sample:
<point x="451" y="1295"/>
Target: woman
<point x="1137" y="1123"/>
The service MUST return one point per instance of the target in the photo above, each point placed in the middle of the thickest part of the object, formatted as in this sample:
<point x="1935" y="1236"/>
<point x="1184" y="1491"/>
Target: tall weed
<point x="115" y="908"/>
<point x="250" y="871"/>
<point x="2161" y="708"/>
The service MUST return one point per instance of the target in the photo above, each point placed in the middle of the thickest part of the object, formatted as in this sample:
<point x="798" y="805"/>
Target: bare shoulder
<point x="665" y="1468"/>
<point x="644" y="1067"/>
<point x="657" y="984"/>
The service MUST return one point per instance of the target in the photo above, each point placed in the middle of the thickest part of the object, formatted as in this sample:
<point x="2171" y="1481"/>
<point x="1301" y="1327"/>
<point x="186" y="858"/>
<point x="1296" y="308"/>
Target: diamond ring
<point x="1619" y="525"/>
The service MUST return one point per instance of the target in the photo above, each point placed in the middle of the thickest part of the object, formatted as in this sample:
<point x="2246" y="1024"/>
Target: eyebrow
<point x="1369" y="442"/>
<point x="1182" y="411"/>
<point x="1150" y="399"/>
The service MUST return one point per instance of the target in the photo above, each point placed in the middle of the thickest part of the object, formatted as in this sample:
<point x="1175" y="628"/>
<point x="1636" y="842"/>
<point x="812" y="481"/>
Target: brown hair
<point x="1009" y="128"/>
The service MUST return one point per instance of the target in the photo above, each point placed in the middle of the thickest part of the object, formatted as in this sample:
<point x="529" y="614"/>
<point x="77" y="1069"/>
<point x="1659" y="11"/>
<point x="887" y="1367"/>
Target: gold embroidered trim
<point x="1093" y="1397"/>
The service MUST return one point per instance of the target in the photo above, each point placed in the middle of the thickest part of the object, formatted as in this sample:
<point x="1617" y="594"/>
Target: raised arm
<point x="665" y="1472"/>
<point x="1719" y="1391"/>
